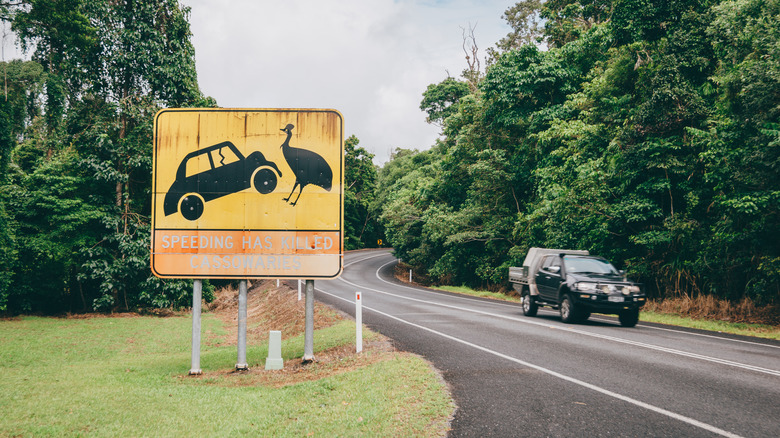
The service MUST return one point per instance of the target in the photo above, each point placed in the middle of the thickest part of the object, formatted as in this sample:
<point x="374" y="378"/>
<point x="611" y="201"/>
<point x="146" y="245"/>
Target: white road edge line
<point x="365" y="258"/>
<point x="505" y="304"/>
<point x="599" y="389"/>
<point x="720" y="338"/>
<point x="573" y="330"/>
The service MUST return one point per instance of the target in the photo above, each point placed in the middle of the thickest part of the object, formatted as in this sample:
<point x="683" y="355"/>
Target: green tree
<point x="361" y="227"/>
<point x="147" y="61"/>
<point x="647" y="133"/>
<point x="8" y="256"/>
<point x="81" y="186"/>
<point x="63" y="43"/>
<point x="441" y="100"/>
<point x="52" y="224"/>
<point x="526" y="23"/>
<point x="568" y="20"/>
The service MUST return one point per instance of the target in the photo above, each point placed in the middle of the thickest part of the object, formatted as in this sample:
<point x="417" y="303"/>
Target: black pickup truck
<point x="577" y="284"/>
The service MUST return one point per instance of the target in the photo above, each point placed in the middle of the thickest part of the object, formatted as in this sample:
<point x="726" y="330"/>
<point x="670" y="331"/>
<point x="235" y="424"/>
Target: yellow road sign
<point x="254" y="193"/>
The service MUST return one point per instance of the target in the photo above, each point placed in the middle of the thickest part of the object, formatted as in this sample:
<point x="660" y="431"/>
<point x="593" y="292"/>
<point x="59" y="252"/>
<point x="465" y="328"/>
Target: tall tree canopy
<point x="76" y="154"/>
<point x="76" y="143"/>
<point x="361" y="228"/>
<point x="647" y="132"/>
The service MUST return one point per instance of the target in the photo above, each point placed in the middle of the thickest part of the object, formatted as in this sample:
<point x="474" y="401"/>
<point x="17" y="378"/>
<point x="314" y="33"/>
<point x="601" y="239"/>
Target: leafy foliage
<point x="440" y="100"/>
<point x="76" y="155"/>
<point x="647" y="133"/>
<point x="361" y="227"/>
<point x="76" y="193"/>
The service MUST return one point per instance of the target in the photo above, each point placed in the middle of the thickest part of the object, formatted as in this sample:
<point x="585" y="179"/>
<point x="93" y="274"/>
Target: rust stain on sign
<point x="247" y="193"/>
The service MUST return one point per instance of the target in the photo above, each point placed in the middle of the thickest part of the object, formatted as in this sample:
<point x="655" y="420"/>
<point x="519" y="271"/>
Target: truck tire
<point x="529" y="303"/>
<point x="629" y="318"/>
<point x="569" y="313"/>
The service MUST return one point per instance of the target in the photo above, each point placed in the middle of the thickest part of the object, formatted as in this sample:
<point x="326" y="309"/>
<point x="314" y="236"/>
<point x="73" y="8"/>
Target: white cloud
<point x="369" y="59"/>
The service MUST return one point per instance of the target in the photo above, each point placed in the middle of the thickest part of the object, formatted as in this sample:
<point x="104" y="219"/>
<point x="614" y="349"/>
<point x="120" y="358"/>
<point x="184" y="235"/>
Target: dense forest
<point x="76" y="154"/>
<point x="644" y="131"/>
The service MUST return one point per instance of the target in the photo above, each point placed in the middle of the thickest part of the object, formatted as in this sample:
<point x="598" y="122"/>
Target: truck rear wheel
<point x="529" y="303"/>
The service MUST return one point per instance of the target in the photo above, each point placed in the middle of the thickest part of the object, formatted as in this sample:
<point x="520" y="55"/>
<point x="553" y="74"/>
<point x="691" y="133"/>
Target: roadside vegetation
<point x="644" y="132"/>
<point x="76" y="155"/>
<point x="126" y="375"/>
<point x="713" y="325"/>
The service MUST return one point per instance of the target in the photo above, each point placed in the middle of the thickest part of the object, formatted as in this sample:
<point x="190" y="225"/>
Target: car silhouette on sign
<point x="227" y="171"/>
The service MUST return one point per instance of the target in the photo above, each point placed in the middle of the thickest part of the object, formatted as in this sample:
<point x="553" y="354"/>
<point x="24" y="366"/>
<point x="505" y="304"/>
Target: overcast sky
<point x="369" y="59"/>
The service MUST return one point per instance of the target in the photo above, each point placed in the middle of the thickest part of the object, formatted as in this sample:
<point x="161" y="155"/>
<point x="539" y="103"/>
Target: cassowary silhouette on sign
<point x="308" y="167"/>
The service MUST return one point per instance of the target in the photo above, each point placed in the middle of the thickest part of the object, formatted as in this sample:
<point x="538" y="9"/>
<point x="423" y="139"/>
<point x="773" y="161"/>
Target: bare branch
<point x="470" y="48"/>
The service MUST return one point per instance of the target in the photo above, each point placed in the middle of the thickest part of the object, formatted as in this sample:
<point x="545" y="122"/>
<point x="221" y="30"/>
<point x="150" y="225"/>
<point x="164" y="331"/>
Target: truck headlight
<point x="633" y="289"/>
<point x="585" y="286"/>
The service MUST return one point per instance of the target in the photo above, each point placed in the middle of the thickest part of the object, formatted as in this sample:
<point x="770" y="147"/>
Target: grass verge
<point x="479" y="293"/>
<point x="735" y="328"/>
<point x="127" y="377"/>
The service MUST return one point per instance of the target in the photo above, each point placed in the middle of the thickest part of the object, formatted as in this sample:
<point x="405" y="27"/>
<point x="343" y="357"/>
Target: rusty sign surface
<point x="248" y="193"/>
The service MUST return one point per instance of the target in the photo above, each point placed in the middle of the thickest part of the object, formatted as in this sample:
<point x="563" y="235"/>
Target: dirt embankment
<point x="277" y="308"/>
<point x="268" y="308"/>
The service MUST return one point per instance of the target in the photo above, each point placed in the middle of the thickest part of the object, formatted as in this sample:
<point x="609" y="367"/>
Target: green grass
<point x="478" y="293"/>
<point x="756" y="330"/>
<point x="127" y="377"/>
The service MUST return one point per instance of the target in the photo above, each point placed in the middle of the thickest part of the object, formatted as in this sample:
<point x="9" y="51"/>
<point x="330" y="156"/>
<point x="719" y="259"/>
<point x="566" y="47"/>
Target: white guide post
<point x="358" y="322"/>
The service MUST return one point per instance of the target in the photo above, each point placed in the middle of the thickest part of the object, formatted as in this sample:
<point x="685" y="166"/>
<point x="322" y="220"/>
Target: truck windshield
<point x="590" y="265"/>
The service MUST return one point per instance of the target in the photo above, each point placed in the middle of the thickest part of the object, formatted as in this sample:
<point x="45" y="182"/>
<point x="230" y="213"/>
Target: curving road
<point x="513" y="375"/>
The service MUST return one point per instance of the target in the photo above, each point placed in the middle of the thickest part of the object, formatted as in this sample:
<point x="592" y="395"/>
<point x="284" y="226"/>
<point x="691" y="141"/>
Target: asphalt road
<point x="513" y="375"/>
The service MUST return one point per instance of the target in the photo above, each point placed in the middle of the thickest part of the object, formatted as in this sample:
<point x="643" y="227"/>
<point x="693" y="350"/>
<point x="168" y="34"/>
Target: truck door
<point x="549" y="278"/>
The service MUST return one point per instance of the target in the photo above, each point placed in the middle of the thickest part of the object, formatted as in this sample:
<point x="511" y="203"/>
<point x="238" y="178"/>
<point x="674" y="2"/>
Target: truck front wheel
<point x="529" y="303"/>
<point x="568" y="311"/>
<point x="629" y="318"/>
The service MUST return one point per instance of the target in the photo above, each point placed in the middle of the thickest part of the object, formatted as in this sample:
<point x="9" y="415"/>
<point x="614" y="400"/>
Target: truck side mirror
<point x="554" y="269"/>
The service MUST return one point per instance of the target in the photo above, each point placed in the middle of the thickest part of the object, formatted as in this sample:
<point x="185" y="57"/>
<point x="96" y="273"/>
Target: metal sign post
<point x="197" y="296"/>
<point x="241" y="362"/>
<point x="308" y="342"/>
